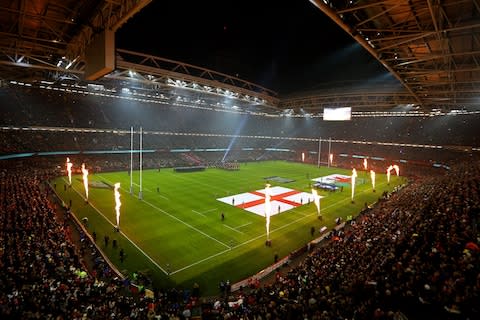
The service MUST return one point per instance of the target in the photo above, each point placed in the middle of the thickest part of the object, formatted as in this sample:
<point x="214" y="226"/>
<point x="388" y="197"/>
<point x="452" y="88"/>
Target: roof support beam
<point x="330" y="13"/>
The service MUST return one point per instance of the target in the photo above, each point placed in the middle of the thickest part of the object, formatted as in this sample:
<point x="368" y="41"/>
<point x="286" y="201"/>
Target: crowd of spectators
<point x="170" y="127"/>
<point x="219" y="148"/>
<point x="414" y="255"/>
<point x="30" y="106"/>
<point x="45" y="274"/>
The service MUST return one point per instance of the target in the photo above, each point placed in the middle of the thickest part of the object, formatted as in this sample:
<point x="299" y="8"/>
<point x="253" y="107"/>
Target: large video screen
<point x="337" y="114"/>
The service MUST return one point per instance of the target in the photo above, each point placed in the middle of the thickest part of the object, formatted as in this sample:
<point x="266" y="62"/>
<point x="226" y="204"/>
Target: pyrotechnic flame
<point x="303" y="156"/>
<point x="268" y="209"/>
<point x="85" y="179"/>
<point x="354" y="175"/>
<point x="365" y="163"/>
<point x="372" y="176"/>
<point x="397" y="169"/>
<point x="331" y="157"/>
<point x="389" y="170"/>
<point x="117" y="202"/>
<point x="316" y="200"/>
<point x="69" y="171"/>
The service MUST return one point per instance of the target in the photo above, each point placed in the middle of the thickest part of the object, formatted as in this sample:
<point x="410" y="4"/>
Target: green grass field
<point x="177" y="236"/>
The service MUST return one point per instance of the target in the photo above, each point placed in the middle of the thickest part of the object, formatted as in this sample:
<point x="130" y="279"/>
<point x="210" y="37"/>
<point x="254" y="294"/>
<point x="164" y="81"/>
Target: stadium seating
<point x="414" y="255"/>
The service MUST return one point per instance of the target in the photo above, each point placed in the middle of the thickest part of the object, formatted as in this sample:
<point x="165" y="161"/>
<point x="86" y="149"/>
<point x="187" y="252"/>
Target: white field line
<point x="163" y="197"/>
<point x="250" y="240"/>
<point x="146" y="189"/>
<point x="202" y="212"/>
<point x="143" y="189"/>
<point x="243" y="225"/>
<point x="122" y="233"/>
<point x="234" y="229"/>
<point x="260" y="236"/>
<point x="303" y="214"/>
<point x="179" y="220"/>
<point x="187" y="224"/>
<point x="199" y="213"/>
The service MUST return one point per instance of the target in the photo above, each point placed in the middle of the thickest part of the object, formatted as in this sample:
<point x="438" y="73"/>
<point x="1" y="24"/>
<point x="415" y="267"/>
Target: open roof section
<point x="432" y="47"/>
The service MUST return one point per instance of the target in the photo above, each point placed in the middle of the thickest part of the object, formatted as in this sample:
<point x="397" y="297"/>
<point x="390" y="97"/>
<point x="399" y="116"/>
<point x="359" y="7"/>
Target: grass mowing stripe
<point x="200" y="183"/>
<point x="122" y="233"/>
<point x="175" y="218"/>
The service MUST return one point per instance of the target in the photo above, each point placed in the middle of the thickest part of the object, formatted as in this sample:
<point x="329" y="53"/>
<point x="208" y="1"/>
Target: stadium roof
<point x="431" y="47"/>
<point x="37" y="34"/>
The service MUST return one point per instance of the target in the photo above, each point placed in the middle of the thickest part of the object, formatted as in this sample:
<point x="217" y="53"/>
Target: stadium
<point x="140" y="186"/>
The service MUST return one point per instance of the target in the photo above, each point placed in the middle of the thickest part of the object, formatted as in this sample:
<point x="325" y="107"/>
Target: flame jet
<point x="372" y="176"/>
<point x="117" y="203"/>
<point x="354" y="176"/>
<point x="85" y="180"/>
<point x="69" y="171"/>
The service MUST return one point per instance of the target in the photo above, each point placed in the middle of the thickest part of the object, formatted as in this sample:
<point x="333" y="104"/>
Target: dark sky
<point x="286" y="45"/>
